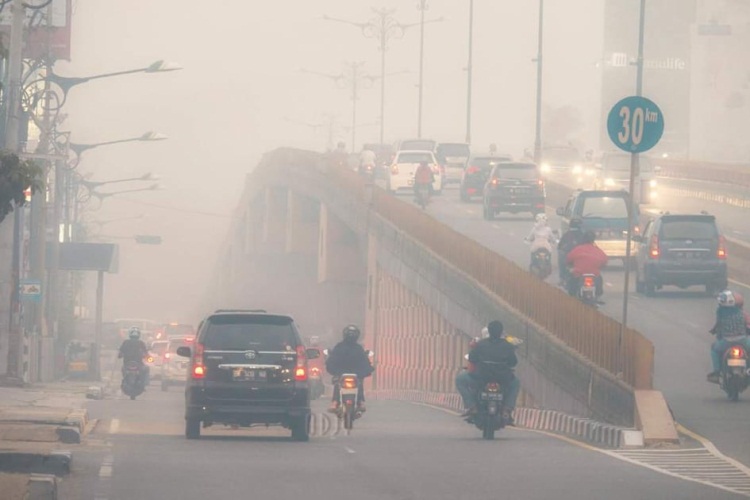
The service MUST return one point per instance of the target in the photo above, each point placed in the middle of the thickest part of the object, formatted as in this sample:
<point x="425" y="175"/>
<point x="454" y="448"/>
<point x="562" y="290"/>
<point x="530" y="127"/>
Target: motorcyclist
<point x="487" y="352"/>
<point x="367" y="158"/>
<point x="586" y="258"/>
<point x="349" y="357"/>
<point x="571" y="239"/>
<point x="541" y="235"/>
<point x="730" y="329"/>
<point x="133" y="350"/>
<point x="423" y="178"/>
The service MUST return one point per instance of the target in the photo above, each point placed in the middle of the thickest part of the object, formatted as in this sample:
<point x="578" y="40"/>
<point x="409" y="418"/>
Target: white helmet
<point x="726" y="299"/>
<point x="541" y="218"/>
<point x="485" y="333"/>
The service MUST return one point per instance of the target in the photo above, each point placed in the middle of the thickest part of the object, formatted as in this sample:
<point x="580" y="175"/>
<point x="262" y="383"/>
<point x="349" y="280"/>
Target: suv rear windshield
<point x="414" y="158"/>
<point x="240" y="332"/>
<point x="418" y="145"/>
<point x="519" y="171"/>
<point x="452" y="151"/>
<point x="687" y="229"/>
<point x="606" y="207"/>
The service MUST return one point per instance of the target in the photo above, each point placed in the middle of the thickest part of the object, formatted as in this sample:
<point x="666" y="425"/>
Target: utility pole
<point x="469" y="68"/>
<point x="422" y="6"/>
<point x="12" y="130"/>
<point x="539" y="66"/>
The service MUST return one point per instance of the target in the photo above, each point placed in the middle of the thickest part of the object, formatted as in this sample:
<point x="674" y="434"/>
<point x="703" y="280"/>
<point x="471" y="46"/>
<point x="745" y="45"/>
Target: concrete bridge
<point x="317" y="242"/>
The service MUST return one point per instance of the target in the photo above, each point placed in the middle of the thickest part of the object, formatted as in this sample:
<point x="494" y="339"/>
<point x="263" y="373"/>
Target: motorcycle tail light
<point x="349" y="383"/>
<point x="588" y="281"/>
<point x="736" y="352"/>
<point x="493" y="387"/>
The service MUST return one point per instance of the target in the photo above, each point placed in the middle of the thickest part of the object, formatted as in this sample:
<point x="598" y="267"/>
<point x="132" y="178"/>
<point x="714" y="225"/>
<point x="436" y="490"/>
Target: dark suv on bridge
<point x="513" y="187"/>
<point x="681" y="250"/>
<point x="247" y="368"/>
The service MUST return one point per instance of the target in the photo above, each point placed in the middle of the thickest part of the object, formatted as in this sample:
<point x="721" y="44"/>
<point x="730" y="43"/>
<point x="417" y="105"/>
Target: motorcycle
<point x="541" y="263"/>
<point x="489" y="416"/>
<point x="347" y="411"/>
<point x="133" y="381"/>
<point x="734" y="374"/>
<point x="367" y="171"/>
<point x="422" y="195"/>
<point x="585" y="289"/>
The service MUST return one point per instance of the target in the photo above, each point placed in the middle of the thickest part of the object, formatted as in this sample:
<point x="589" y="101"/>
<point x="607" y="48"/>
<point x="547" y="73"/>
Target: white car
<point x="174" y="368"/>
<point x="405" y="163"/>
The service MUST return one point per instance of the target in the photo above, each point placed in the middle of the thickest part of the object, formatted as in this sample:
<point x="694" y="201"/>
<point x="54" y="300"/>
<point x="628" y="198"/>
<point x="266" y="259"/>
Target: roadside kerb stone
<point x="42" y="487"/>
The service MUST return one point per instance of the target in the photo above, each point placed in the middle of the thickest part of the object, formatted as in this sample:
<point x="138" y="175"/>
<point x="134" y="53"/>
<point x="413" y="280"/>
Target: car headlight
<point x="577" y="169"/>
<point x="609" y="182"/>
<point x="546" y="167"/>
<point x="652" y="183"/>
<point x="589" y="172"/>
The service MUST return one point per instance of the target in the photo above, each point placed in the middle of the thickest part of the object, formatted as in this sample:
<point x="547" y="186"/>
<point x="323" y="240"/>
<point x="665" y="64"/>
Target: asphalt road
<point x="397" y="451"/>
<point x="676" y="321"/>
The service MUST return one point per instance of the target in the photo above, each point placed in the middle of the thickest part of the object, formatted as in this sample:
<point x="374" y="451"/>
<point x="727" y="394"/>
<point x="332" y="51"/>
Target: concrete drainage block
<point x="42" y="487"/>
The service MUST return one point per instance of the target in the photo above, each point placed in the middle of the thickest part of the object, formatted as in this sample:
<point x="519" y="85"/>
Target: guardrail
<point x="736" y="174"/>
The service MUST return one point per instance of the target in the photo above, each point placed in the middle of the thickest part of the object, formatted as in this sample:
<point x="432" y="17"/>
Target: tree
<point x="16" y="176"/>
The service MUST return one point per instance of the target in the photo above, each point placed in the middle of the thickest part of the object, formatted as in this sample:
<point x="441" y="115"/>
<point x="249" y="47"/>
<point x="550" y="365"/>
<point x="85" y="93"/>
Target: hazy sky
<point x="243" y="91"/>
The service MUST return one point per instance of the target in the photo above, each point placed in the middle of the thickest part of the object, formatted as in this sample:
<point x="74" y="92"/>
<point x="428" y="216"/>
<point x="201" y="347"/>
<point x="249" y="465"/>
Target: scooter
<point x="734" y="374"/>
<point x="133" y="381"/>
<point x="347" y="411"/>
<point x="541" y="263"/>
<point x="489" y="416"/>
<point x="584" y="288"/>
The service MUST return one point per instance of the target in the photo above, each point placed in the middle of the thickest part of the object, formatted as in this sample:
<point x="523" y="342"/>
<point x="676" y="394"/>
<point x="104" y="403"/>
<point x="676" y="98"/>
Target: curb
<point x="42" y="487"/>
<point x="591" y="431"/>
<point x="56" y="463"/>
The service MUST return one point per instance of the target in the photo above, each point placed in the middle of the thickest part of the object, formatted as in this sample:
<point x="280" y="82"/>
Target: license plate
<point x="242" y="374"/>
<point x="183" y="364"/>
<point x="492" y="396"/>
<point x="736" y="362"/>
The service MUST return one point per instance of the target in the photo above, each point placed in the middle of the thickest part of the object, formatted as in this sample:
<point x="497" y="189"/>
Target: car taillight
<point x="349" y="383"/>
<point x="199" y="371"/>
<point x="167" y="355"/>
<point x="300" y="372"/>
<point x="435" y="169"/>
<point x="315" y="371"/>
<point x="653" y="251"/>
<point x="394" y="169"/>
<point x="721" y="251"/>
<point x="493" y="387"/>
<point x="736" y="352"/>
<point x="472" y="170"/>
<point x="588" y="281"/>
<point x="494" y="182"/>
<point x="540" y="183"/>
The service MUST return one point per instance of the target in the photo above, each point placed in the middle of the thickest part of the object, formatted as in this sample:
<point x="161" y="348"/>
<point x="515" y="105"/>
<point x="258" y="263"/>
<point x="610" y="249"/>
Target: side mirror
<point x="312" y="353"/>
<point x="560" y="211"/>
<point x="183" y="351"/>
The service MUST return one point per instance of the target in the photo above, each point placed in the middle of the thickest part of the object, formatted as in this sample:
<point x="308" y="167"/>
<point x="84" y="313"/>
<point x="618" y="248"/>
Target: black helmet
<point x="576" y="223"/>
<point x="495" y="329"/>
<point x="351" y="332"/>
<point x="589" y="237"/>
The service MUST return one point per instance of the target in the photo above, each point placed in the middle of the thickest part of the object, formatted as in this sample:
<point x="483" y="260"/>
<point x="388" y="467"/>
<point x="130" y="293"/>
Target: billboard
<point x="47" y="29"/>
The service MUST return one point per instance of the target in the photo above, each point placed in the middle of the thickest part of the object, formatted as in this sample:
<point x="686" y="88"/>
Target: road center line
<point x="114" y="426"/>
<point x="349" y="450"/>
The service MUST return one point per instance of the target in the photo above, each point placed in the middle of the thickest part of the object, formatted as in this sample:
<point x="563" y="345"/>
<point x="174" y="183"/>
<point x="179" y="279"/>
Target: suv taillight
<point x="472" y="169"/>
<point x="199" y="369"/>
<point x="653" y="250"/>
<point x="721" y="251"/>
<point x="300" y="371"/>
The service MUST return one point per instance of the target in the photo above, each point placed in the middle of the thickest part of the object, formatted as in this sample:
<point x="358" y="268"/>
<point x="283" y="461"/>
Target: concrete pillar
<point x="274" y="218"/>
<point x="302" y="224"/>
<point x="338" y="251"/>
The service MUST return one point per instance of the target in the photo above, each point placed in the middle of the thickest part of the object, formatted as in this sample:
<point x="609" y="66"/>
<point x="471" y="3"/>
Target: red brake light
<point x="394" y="169"/>
<point x="472" y="170"/>
<point x="588" y="281"/>
<point x="493" y="387"/>
<point x="494" y="181"/>
<point x="349" y="383"/>
<point x="315" y="370"/>
<point x="736" y="352"/>
<point x="199" y="371"/>
<point x="300" y="373"/>
<point x="167" y="355"/>
<point x="653" y="251"/>
<point x="721" y="252"/>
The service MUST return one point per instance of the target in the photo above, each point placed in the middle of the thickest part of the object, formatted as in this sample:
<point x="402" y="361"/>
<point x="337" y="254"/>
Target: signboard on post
<point x="635" y="124"/>
<point x="30" y="290"/>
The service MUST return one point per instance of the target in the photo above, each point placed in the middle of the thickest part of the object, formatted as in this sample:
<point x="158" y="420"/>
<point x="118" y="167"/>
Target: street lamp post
<point x="469" y="69"/>
<point x="538" y="60"/>
<point x="382" y="27"/>
<point x="422" y="6"/>
<point x="78" y="148"/>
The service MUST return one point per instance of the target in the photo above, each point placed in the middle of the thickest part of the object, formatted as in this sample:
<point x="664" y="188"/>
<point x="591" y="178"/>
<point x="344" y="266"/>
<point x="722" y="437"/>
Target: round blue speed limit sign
<point x="635" y="124"/>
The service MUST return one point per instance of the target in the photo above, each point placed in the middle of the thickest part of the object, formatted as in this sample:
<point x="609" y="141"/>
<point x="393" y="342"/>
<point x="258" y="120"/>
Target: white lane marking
<point x="114" y="426"/>
<point x="105" y="471"/>
<point x="609" y="284"/>
<point x="349" y="450"/>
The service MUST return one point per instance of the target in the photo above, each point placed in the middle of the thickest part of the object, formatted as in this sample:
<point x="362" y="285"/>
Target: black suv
<point x="247" y="368"/>
<point x="513" y="187"/>
<point x="681" y="250"/>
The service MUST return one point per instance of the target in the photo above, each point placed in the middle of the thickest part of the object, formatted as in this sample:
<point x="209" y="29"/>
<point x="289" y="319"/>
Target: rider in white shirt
<point x="367" y="157"/>
<point x="541" y="236"/>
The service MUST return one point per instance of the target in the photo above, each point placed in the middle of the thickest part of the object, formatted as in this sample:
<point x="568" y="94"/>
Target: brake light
<point x="199" y="371"/>
<point x="721" y="251"/>
<point x="167" y="355"/>
<point x="472" y="170"/>
<point x="394" y="169"/>
<point x="300" y="373"/>
<point x="637" y="229"/>
<point x="493" y="387"/>
<point x="435" y="169"/>
<point x="653" y="251"/>
<point x="736" y="352"/>
<point x="494" y="181"/>
<point x="315" y="371"/>
<point x="349" y="383"/>
<point x="588" y="281"/>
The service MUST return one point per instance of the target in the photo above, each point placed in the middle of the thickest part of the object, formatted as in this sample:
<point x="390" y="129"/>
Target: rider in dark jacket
<point x="571" y="239"/>
<point x="133" y="349"/>
<point x="349" y="357"/>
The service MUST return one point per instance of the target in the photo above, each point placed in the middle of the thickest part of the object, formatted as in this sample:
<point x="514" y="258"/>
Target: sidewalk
<point x="39" y="426"/>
